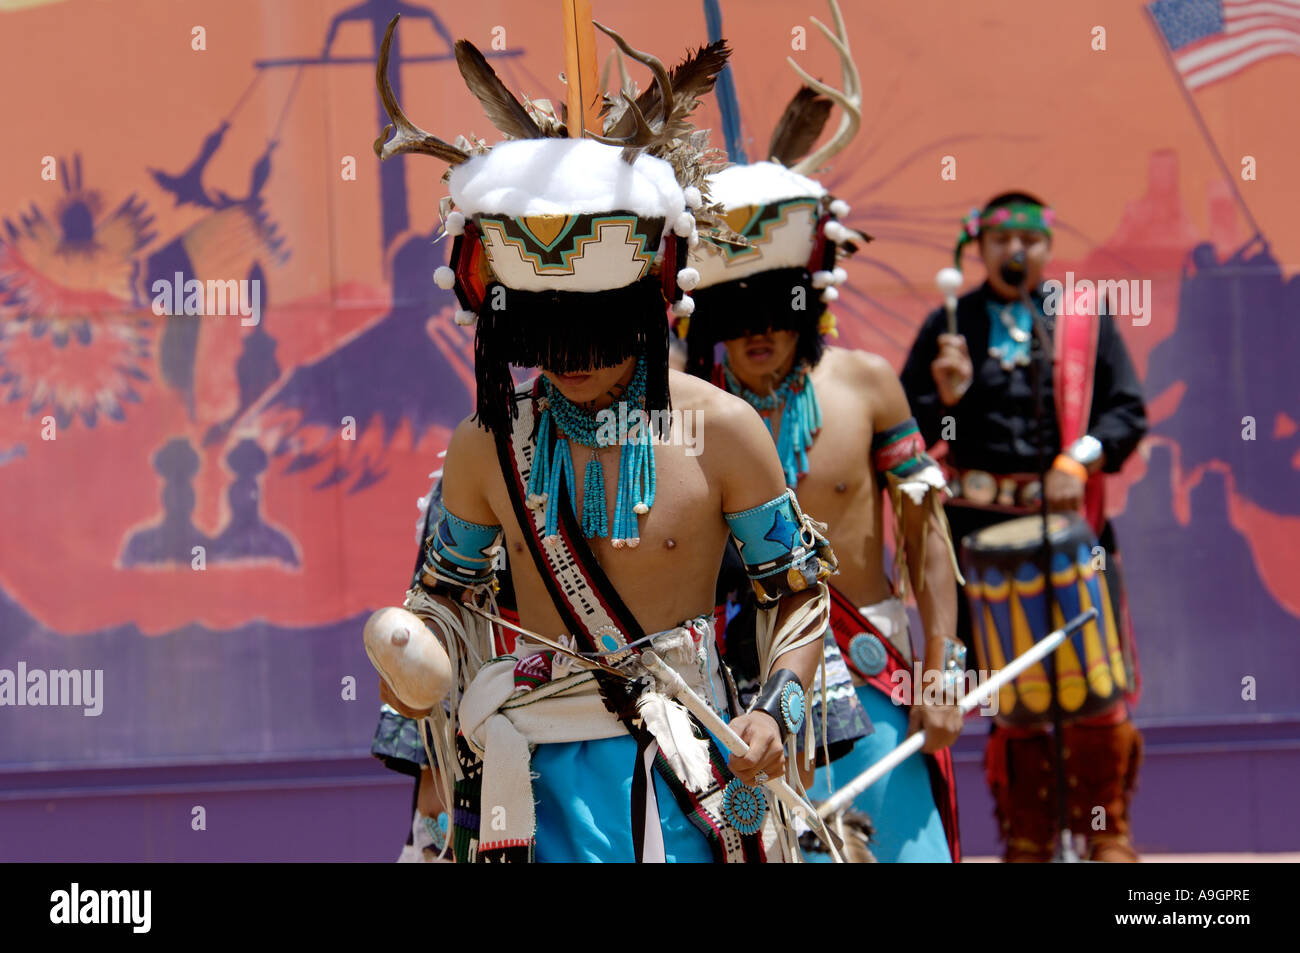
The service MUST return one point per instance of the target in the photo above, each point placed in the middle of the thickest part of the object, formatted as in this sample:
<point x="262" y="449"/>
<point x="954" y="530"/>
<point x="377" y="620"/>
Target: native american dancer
<point x="578" y="745"/>
<point x="1093" y="417"/>
<point x="843" y="431"/>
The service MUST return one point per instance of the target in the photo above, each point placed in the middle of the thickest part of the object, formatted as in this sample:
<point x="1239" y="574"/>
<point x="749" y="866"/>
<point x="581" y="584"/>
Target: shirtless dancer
<point x="844" y="432"/>
<point x="614" y="539"/>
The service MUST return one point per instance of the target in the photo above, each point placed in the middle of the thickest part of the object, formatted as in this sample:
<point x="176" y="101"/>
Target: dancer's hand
<point x="952" y="369"/>
<point x="1064" y="491"/>
<point x="942" y="725"/>
<point x="758" y="730"/>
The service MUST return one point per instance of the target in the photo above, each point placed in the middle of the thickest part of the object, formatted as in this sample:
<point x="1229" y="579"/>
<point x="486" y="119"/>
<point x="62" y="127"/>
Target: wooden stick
<point x="555" y="646"/>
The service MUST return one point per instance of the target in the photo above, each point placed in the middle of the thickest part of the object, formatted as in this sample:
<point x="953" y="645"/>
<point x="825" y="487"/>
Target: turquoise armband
<point x="782" y="552"/>
<point x="458" y="555"/>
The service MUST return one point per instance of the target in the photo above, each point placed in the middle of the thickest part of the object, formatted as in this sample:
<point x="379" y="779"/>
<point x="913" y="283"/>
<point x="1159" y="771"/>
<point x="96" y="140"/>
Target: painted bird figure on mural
<point x="74" y="345"/>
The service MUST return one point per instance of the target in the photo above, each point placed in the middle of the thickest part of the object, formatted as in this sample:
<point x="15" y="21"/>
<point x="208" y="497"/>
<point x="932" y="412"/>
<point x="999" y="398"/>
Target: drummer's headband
<point x="1026" y="216"/>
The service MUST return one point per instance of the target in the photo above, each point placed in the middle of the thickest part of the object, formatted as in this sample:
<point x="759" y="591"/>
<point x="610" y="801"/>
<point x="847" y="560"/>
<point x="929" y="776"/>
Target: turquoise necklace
<point x="801" y="416"/>
<point x="629" y="430"/>
<point x="1010" y="327"/>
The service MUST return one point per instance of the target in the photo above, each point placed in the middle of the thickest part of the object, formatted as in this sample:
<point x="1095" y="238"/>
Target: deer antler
<point x="410" y="137"/>
<point x="644" y="134"/>
<point x="850" y="100"/>
<point x="625" y="81"/>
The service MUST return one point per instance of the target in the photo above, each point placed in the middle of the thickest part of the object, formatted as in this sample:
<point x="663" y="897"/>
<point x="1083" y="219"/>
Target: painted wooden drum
<point x="1008" y="606"/>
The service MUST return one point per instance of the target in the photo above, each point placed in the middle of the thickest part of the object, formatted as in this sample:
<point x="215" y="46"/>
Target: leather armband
<point x="782" y="697"/>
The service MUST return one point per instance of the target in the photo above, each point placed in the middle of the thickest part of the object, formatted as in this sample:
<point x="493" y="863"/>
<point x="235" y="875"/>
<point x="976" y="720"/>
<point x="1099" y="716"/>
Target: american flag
<point x="1212" y="39"/>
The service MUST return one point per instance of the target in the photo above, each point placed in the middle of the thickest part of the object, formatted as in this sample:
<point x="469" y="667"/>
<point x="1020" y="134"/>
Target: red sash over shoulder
<point x="1073" y="373"/>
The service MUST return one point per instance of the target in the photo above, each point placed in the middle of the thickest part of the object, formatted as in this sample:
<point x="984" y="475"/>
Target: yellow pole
<point x="583" y="98"/>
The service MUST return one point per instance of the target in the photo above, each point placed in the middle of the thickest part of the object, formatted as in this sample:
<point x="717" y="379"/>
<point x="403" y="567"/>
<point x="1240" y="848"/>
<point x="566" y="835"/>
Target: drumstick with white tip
<point x="948" y="280"/>
<point x="845" y="796"/>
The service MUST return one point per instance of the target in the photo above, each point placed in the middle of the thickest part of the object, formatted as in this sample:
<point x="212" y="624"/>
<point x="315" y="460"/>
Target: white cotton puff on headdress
<point x="567" y="214"/>
<point x="775" y="209"/>
<point x="565" y="250"/>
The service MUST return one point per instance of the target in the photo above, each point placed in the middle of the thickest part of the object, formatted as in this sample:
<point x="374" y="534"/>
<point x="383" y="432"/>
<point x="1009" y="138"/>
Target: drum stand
<point x="1040" y="353"/>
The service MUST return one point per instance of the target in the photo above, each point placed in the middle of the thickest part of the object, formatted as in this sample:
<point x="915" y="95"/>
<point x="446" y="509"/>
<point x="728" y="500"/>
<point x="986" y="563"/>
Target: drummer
<point x="974" y="389"/>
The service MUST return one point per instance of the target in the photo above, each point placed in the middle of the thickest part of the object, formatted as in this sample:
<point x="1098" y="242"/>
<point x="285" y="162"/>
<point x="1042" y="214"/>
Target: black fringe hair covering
<point x="567" y="332"/>
<point x="754" y="305"/>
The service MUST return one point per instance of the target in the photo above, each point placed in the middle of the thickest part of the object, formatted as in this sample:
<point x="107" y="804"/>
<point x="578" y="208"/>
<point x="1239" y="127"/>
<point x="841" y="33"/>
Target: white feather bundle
<point x="671" y="726"/>
<point x="444" y="278"/>
<point x="919" y="484"/>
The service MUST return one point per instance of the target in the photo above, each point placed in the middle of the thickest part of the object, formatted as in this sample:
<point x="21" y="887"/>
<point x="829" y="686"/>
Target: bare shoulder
<point x="691" y="393"/>
<point x="861" y="367"/>
<point x="738" y="452"/>
<point x="469" y="469"/>
<point x="728" y="418"/>
<point x="875" y="377"/>
<point x="470" y="442"/>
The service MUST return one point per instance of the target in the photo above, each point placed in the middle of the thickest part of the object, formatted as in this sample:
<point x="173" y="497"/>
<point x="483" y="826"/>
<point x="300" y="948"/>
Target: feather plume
<point x="799" y="126"/>
<point x="857" y="832"/>
<point x="692" y="79"/>
<point x="671" y="726"/>
<point x="543" y="113"/>
<point x="506" y="112"/>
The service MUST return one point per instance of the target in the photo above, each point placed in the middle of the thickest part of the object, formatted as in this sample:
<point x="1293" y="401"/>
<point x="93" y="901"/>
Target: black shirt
<point x="995" y="422"/>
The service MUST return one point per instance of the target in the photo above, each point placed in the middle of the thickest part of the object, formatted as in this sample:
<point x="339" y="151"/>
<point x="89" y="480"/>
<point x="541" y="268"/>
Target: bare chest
<point x="668" y="577"/>
<point x="839" y="478"/>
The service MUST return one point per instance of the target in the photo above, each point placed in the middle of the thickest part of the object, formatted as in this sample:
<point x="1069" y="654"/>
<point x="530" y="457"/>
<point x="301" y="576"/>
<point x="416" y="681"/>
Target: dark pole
<point x="1040" y="355"/>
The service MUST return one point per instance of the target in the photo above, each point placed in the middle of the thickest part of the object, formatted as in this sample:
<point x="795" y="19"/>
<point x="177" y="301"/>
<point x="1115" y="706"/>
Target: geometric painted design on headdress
<point x="546" y="230"/>
<point x="563" y="238"/>
<point x="570" y="252"/>
<point x="759" y="223"/>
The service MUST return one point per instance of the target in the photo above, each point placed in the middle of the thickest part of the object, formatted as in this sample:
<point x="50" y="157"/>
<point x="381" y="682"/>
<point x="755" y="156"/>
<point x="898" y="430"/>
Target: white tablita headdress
<point x="567" y="250"/>
<point x="785" y="272"/>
